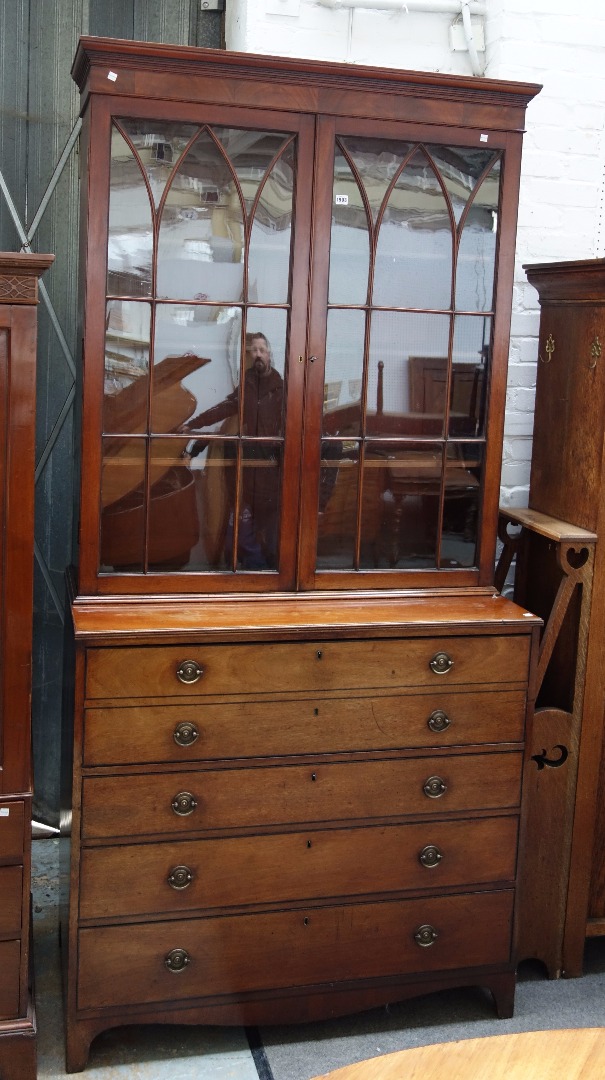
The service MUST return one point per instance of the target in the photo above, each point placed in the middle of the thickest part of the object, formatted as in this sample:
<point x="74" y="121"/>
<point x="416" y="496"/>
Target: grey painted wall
<point x="38" y="109"/>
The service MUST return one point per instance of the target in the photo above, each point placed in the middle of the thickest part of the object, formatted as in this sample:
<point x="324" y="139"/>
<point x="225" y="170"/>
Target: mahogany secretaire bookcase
<point x="299" y="704"/>
<point x="18" y="318"/>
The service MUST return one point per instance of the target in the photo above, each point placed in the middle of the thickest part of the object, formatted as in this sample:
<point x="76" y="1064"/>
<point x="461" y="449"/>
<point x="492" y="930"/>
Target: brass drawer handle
<point x="430" y="856"/>
<point x="185" y="733"/>
<point x="434" y="787"/>
<point x="189" y="671"/>
<point x="183" y="803"/>
<point x="438" y="721"/>
<point x="426" y="936"/>
<point x="177" y="960"/>
<point x="180" y="877"/>
<point x="441" y="663"/>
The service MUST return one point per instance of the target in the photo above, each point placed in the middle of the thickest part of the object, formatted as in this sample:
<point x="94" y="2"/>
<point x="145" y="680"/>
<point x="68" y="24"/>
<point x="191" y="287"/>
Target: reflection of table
<point x="531" y="1055"/>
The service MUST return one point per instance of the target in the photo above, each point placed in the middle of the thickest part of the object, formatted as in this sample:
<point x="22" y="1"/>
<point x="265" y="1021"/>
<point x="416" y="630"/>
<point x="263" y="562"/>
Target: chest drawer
<point x="153" y="733"/>
<point x="11" y="897"/>
<point x="12" y="817"/>
<point x="201" y="874"/>
<point x="256" y="797"/>
<point x="246" y="953"/>
<point x="10" y="956"/>
<point x="301" y="666"/>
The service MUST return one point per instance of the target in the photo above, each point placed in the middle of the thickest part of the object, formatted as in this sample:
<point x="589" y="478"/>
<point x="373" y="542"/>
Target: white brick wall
<point x="561" y="209"/>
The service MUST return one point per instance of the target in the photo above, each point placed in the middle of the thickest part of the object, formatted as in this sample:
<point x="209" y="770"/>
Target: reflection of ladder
<point x="553" y="578"/>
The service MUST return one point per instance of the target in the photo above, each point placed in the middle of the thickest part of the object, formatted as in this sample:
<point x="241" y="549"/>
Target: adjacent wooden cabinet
<point x="18" y="301"/>
<point x="299" y="706"/>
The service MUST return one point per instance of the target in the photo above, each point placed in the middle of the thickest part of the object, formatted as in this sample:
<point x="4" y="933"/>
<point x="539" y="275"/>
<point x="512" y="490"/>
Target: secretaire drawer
<point x="186" y="875"/>
<point x="291" y="666"/>
<point x="180" y="802"/>
<point x="149" y="733"/>
<point x="195" y="958"/>
<point x="11" y="897"/>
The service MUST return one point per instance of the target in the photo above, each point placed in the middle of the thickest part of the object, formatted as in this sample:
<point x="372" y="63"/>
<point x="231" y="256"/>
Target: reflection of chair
<point x="428" y="380"/>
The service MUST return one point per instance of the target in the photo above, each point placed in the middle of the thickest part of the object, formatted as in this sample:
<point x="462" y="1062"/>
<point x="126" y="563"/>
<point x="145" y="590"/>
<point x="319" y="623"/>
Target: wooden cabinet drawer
<point x="11" y="900"/>
<point x="10" y="957"/>
<point x="324" y="665"/>
<point x="154" y="733"/>
<point x="305" y="865"/>
<point x="12" y="817"/>
<point x="242" y="953"/>
<point x="256" y="797"/>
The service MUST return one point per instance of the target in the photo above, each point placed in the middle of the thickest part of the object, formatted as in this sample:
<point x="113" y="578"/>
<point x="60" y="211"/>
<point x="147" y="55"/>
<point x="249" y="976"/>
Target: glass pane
<point x="413" y="349"/>
<point x="201" y="239"/>
<point x="264" y="387"/>
<point x="349" y="240"/>
<point x="460" y="168"/>
<point x="126" y="383"/>
<point x="258" y="522"/>
<point x="401" y="495"/>
<point x="377" y="161"/>
<point x="463" y="476"/>
<point x="196" y="368"/>
<point x="414" y="250"/>
<point x="212" y="466"/>
<point x="173" y="512"/>
<point x="271" y="234"/>
<point x="343" y="380"/>
<point x="123" y="504"/>
<point x="337" y="529"/>
<point x="470" y="356"/>
<point x="130" y="227"/>
<point x="250" y="154"/>
<point x="159" y="144"/>
<point x="476" y="261"/>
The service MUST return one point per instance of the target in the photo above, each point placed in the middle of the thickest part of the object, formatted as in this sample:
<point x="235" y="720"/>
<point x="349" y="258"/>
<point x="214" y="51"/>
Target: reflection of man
<point x="262" y="417"/>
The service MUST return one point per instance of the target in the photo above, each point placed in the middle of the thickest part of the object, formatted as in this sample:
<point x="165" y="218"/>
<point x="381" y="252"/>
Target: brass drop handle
<point x="185" y="733"/>
<point x="425" y="936"/>
<point x="438" y="721"/>
<point x="177" y="960"/>
<point x="430" y="856"/>
<point x="180" y="877"/>
<point x="434" y="787"/>
<point x="183" y="803"/>
<point x="189" y="671"/>
<point x="441" y="663"/>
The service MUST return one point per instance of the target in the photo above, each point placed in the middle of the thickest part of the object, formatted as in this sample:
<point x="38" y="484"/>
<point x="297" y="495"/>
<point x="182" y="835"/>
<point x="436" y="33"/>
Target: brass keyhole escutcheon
<point x="438" y="721"/>
<point x="434" y="787"/>
<point x="183" y="803"/>
<point x="425" y="936"/>
<point x="180" y="877"/>
<point x="441" y="663"/>
<point x="177" y="960"/>
<point x="549" y="348"/>
<point x="595" y="352"/>
<point x="189" y="671"/>
<point x="430" y="856"/>
<point x="185" y="733"/>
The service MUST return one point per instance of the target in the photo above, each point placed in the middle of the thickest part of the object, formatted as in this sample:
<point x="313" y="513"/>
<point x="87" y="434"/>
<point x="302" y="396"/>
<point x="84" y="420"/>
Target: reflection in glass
<point x="377" y="161"/>
<point x="414" y="250"/>
<point x="401" y="486"/>
<point x="343" y="379"/>
<point x="413" y="348"/>
<point x="472" y="335"/>
<point x="173" y="511"/>
<point x="263" y="383"/>
<point x="123" y="504"/>
<point x="350" y="239"/>
<point x="201" y="237"/>
<point x="159" y="145"/>
<point x="477" y="249"/>
<point x="130" y="227"/>
<point x="251" y="153"/>
<point x="126" y="383"/>
<point x="463" y="478"/>
<point x="271" y="233"/>
<point x="460" y="168"/>
<point x="196" y="368"/>
<point x="259" y="506"/>
<point x="337" y="529"/>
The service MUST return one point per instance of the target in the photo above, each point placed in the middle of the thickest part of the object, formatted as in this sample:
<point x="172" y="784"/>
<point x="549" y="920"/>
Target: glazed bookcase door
<point x="203" y="320"/>
<point x="404" y="335"/>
